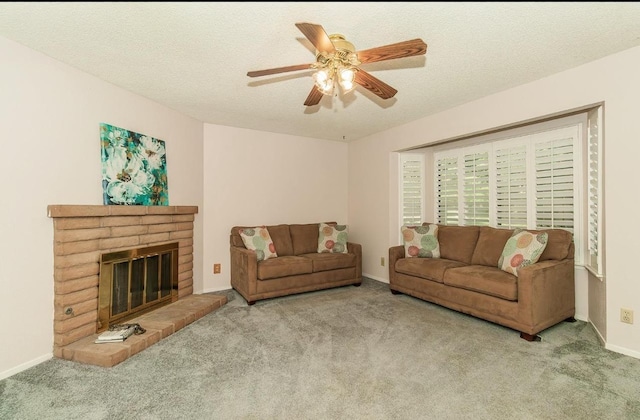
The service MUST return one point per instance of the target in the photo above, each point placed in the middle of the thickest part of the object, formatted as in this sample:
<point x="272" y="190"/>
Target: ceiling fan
<point x="337" y="62"/>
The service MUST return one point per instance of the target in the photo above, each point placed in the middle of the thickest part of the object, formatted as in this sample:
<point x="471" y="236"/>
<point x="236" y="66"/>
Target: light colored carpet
<point x="344" y="353"/>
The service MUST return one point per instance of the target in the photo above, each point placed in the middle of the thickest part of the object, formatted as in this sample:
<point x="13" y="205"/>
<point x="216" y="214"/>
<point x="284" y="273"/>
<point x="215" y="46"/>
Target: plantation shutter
<point x="447" y="190"/>
<point x="531" y="181"/>
<point x="554" y="184"/>
<point x="511" y="187"/>
<point x="476" y="189"/>
<point x="594" y="195"/>
<point x="412" y="189"/>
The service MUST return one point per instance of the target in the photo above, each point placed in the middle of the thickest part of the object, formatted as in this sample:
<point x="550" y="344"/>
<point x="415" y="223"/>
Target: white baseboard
<point x="25" y="366"/>
<point x="597" y="331"/>
<point x="380" y="279"/>
<point x="623" y="350"/>
<point x="581" y="317"/>
<point x="211" y="291"/>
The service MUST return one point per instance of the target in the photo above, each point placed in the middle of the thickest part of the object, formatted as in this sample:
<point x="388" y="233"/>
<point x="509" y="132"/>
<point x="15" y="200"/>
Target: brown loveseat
<point x="298" y="267"/>
<point x="467" y="278"/>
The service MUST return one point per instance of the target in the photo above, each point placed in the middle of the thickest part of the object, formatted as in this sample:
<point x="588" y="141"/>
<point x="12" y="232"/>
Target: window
<point x="412" y="187"/>
<point x="529" y="181"/>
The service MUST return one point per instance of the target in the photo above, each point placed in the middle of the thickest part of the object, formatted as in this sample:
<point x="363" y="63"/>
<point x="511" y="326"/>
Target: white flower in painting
<point x="116" y="138"/>
<point x="152" y="151"/>
<point x="116" y="144"/>
<point x="126" y="178"/>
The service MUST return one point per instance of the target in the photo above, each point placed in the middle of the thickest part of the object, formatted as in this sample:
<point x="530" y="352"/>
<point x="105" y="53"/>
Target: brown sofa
<point x="299" y="267"/>
<point x="466" y="278"/>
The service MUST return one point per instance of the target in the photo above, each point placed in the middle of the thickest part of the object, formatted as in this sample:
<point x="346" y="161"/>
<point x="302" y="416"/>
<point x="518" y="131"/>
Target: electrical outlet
<point x="216" y="268"/>
<point x="626" y="316"/>
<point x="382" y="261"/>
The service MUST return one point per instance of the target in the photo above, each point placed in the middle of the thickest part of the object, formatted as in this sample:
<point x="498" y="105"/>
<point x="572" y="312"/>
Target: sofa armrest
<point x="395" y="253"/>
<point x="244" y="271"/>
<point x="546" y="291"/>
<point x="356" y="249"/>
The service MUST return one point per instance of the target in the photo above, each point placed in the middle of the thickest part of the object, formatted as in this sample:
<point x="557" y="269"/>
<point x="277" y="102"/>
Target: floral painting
<point x="134" y="168"/>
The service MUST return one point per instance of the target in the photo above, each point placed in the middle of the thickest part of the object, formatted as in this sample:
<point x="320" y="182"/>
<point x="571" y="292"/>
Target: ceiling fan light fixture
<point x="347" y="78"/>
<point x="337" y="67"/>
<point x="335" y="73"/>
<point x="323" y="79"/>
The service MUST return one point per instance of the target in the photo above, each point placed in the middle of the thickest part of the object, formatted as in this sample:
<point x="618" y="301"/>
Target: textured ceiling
<point x="194" y="56"/>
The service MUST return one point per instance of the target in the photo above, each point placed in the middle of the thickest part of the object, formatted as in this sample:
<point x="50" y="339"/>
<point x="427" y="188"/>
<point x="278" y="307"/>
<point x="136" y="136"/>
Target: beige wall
<point x="50" y="115"/>
<point x="258" y="178"/>
<point x="612" y="80"/>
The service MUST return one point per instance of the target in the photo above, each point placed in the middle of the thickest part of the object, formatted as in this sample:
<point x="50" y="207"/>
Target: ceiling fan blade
<point x="375" y="85"/>
<point x="389" y="52"/>
<point x="297" y="67"/>
<point x="317" y="35"/>
<point x="314" y="97"/>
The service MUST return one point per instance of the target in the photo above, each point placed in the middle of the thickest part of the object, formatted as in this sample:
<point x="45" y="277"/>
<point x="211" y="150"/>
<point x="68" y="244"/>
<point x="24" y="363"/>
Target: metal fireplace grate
<point x="136" y="281"/>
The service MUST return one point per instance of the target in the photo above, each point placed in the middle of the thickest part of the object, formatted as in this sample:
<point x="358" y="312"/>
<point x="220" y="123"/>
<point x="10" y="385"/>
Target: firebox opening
<point x="136" y="281"/>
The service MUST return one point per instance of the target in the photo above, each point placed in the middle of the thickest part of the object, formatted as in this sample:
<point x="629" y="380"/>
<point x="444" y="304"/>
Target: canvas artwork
<point x="134" y="168"/>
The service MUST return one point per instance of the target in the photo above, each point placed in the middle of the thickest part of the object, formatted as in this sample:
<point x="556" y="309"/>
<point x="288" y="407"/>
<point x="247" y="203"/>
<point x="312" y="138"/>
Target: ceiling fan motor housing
<point x="344" y="52"/>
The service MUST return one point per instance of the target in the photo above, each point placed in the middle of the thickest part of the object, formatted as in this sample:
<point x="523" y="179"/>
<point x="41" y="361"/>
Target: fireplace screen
<point x="136" y="281"/>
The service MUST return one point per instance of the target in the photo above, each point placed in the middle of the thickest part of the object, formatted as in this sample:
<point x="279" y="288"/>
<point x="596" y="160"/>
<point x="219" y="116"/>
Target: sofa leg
<point x="395" y="292"/>
<point x="570" y="319"/>
<point x="357" y="284"/>
<point x="251" y="302"/>
<point x="530" y="337"/>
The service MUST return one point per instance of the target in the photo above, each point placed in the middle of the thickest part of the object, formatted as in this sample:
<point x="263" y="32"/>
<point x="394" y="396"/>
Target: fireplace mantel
<point x="83" y="232"/>
<point x="82" y="210"/>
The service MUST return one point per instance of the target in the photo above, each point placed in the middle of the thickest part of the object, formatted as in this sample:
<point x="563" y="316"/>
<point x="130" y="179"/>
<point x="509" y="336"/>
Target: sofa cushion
<point x="258" y="239"/>
<point x="457" y="242"/>
<point x="559" y="245"/>
<point x="330" y="261"/>
<point x="304" y="238"/>
<point x="281" y="238"/>
<point x="522" y="249"/>
<point x="284" y="266"/>
<point x="487" y="280"/>
<point x="426" y="268"/>
<point x="421" y="241"/>
<point x="333" y="238"/>
<point x="489" y="247"/>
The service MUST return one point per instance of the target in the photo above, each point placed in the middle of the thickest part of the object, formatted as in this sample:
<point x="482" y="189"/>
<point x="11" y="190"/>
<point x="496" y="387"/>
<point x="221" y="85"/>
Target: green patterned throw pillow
<point x="421" y="241"/>
<point x="333" y="238"/>
<point x="522" y="249"/>
<point x="258" y="239"/>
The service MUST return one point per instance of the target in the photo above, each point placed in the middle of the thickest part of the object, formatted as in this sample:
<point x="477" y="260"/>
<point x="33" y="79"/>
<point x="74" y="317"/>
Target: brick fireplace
<point x="82" y="233"/>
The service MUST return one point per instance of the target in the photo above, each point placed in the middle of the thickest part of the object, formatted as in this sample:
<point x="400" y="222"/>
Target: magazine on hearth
<point x="118" y="334"/>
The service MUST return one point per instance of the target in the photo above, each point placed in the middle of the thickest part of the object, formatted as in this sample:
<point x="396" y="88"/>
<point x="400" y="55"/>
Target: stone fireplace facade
<point x="82" y="233"/>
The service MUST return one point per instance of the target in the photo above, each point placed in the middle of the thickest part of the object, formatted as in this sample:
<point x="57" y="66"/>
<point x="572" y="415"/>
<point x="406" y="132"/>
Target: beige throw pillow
<point x="522" y="249"/>
<point x="258" y="239"/>
<point x="421" y="241"/>
<point x="333" y="238"/>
